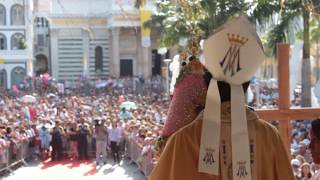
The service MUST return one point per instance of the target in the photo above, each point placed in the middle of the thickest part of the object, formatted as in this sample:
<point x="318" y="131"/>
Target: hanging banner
<point x="2" y="63"/>
<point x="145" y="15"/>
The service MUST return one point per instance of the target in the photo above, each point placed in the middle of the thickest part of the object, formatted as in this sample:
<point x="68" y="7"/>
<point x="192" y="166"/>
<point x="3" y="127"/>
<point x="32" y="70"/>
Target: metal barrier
<point x="11" y="159"/>
<point x="23" y="151"/>
<point x="144" y="161"/>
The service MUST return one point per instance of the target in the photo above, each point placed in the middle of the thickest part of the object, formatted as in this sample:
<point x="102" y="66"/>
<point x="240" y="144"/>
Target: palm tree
<point x="192" y="19"/>
<point x="314" y="40"/>
<point x="289" y="11"/>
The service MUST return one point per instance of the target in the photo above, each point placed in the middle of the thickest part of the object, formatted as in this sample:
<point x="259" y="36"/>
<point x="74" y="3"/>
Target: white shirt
<point x="157" y="116"/>
<point x="316" y="176"/>
<point x="115" y="134"/>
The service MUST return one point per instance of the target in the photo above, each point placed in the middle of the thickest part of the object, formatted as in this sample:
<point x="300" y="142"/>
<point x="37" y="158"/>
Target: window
<point x="3" y="42"/>
<point x="2" y="15"/>
<point x="42" y="22"/>
<point x="98" y="58"/>
<point x="17" y="75"/>
<point x="37" y="21"/>
<point x="40" y="40"/>
<point x="18" y="41"/>
<point x="17" y="15"/>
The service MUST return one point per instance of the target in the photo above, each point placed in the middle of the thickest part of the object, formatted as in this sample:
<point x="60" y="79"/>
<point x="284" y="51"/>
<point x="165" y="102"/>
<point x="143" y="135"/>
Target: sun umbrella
<point x="51" y="95"/>
<point x="28" y="99"/>
<point x="86" y="107"/>
<point x="101" y="84"/>
<point x="46" y="125"/>
<point x="128" y="105"/>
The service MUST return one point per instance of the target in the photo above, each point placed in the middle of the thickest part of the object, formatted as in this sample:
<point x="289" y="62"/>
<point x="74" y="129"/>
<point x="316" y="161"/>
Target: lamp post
<point x="167" y="61"/>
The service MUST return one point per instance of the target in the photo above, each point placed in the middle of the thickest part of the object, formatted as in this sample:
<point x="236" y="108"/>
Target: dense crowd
<point x="69" y="125"/>
<point x="73" y="124"/>
<point x="301" y="162"/>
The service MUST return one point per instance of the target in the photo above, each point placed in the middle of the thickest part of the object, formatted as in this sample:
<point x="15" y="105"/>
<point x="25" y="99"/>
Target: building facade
<point x="94" y="38"/>
<point x="16" y="41"/>
<point x="42" y="63"/>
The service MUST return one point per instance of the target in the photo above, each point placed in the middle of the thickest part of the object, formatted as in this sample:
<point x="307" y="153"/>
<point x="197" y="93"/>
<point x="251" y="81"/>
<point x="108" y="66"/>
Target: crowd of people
<point x="78" y="126"/>
<point x="302" y="162"/>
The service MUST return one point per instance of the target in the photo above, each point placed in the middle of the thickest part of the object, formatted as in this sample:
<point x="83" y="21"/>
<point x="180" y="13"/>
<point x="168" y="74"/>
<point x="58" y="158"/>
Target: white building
<point x="42" y="63"/>
<point x="96" y="38"/>
<point x="15" y="41"/>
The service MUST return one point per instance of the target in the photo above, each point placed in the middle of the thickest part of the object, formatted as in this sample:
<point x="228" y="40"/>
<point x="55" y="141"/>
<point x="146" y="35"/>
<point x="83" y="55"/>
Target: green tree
<point x="315" y="41"/>
<point x="22" y="43"/>
<point x="289" y="11"/>
<point x="192" y="19"/>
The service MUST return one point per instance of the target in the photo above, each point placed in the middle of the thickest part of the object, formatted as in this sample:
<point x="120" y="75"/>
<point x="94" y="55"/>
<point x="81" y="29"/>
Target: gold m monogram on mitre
<point x="231" y="61"/>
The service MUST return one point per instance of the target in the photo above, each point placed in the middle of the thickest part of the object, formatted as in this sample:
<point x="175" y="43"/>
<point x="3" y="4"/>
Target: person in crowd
<point x="56" y="143"/>
<point x="101" y="134"/>
<point x="82" y="135"/>
<point x="304" y="152"/>
<point x="315" y="145"/>
<point x="124" y="114"/>
<point x="115" y="137"/>
<point x="3" y="146"/>
<point x="306" y="172"/>
<point x="122" y="143"/>
<point x="45" y="138"/>
<point x="73" y="138"/>
<point x="301" y="159"/>
<point x="295" y="163"/>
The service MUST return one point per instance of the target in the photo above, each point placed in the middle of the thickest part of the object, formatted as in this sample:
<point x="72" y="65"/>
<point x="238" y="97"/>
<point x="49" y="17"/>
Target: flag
<point x="2" y="62"/>
<point x="145" y="15"/>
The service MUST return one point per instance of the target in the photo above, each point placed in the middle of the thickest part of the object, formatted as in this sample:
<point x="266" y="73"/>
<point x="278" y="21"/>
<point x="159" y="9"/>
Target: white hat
<point x="295" y="162"/>
<point x="306" y="142"/>
<point x="232" y="54"/>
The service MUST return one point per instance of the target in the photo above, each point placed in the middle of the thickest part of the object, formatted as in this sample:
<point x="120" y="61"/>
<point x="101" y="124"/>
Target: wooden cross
<point x="284" y="114"/>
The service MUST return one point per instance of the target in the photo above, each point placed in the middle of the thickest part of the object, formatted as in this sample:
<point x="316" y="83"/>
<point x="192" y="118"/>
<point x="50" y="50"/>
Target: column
<point x="86" y="56"/>
<point x="115" y="52"/>
<point x="146" y="59"/>
<point x="54" y="54"/>
<point x="139" y="61"/>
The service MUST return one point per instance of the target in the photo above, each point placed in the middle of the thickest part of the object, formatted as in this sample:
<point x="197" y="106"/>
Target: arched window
<point x="98" y="59"/>
<point x="17" y="75"/>
<point x="17" y="15"/>
<point x="18" y="41"/>
<point x="3" y="42"/>
<point x="2" y="15"/>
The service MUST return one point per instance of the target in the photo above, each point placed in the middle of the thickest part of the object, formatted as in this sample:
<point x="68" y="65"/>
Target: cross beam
<point x="284" y="114"/>
<point x="291" y="114"/>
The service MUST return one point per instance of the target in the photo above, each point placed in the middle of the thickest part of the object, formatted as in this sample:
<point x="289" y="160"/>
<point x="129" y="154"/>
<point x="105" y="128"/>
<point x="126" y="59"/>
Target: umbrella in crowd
<point x="46" y="125"/>
<point x="86" y="107"/>
<point x="51" y="95"/>
<point x="28" y="99"/>
<point x="128" y="105"/>
<point x="101" y="84"/>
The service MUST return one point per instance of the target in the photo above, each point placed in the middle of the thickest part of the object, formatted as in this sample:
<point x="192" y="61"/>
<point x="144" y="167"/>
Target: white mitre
<point x="233" y="54"/>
